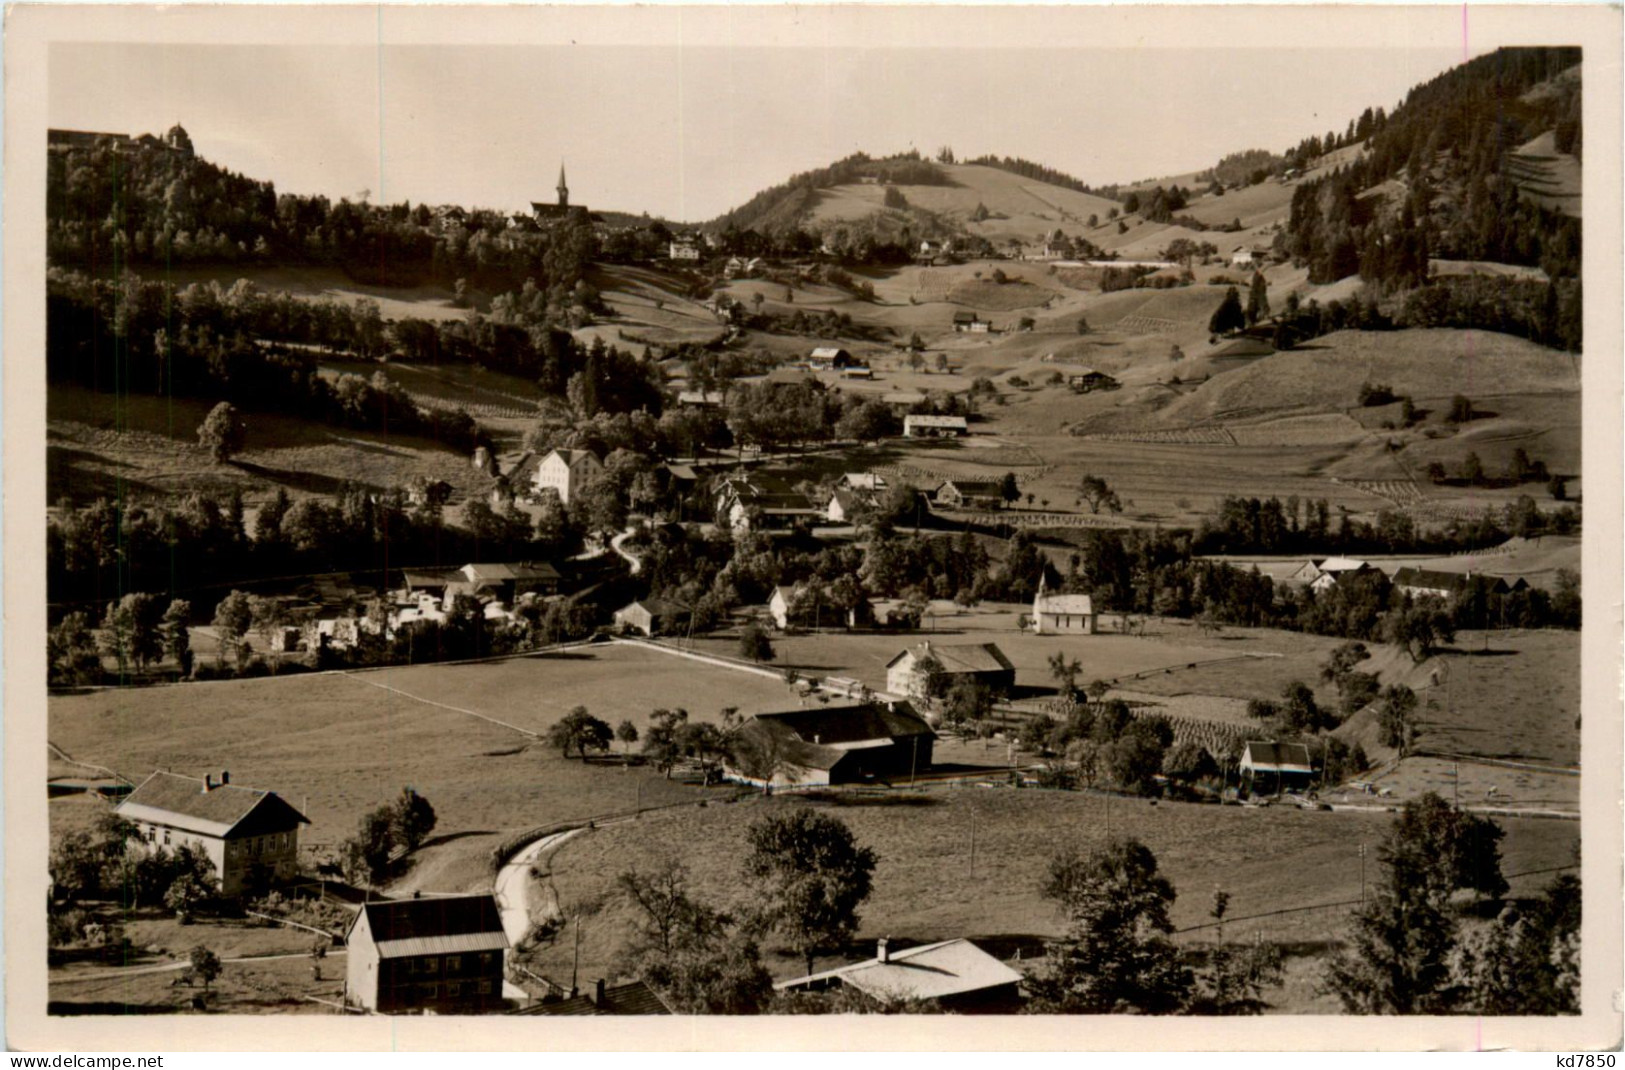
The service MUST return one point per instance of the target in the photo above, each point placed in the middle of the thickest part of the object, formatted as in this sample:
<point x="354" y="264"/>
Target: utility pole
<point x="1362" y="876"/>
<point x="973" y="842"/>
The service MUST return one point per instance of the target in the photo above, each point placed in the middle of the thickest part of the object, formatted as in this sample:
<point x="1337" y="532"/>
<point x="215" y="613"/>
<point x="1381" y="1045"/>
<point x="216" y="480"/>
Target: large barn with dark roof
<point x="821" y="745"/>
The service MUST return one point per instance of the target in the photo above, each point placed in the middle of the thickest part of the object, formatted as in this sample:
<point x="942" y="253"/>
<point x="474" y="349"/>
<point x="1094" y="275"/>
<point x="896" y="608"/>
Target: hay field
<point x="428" y="302"/>
<point x="1507" y="695"/>
<point x="924" y="836"/>
<point x="336" y="745"/>
<point x="1020" y="207"/>
<point x="1158" y="661"/>
<point x="1426" y="364"/>
<point x="103" y="445"/>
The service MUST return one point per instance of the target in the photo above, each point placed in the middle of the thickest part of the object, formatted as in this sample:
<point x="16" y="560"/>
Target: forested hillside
<point x="1433" y="184"/>
<point x="130" y="202"/>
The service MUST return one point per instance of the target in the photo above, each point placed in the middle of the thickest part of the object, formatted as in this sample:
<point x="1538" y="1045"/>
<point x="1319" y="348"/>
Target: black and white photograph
<point x="712" y="516"/>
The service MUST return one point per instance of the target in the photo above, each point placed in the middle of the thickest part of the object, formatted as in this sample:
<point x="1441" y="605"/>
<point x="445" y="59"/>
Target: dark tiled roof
<point x="1429" y="578"/>
<point x="1276" y="755"/>
<point x="850" y="724"/>
<point x="406" y="919"/>
<point x="215" y="812"/>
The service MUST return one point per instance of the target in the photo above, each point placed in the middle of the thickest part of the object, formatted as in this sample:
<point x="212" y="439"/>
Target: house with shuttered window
<point x="251" y="836"/>
<point x="441" y="955"/>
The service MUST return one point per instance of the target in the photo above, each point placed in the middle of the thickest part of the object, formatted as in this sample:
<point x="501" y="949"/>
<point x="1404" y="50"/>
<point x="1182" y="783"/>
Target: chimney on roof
<point x="225" y="777"/>
<point x="208" y="783"/>
<point x="881" y="954"/>
<point x="598" y="993"/>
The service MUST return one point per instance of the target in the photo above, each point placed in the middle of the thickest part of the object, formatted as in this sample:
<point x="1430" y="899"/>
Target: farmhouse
<point x="934" y="426"/>
<point x="443" y="955"/>
<point x="1087" y="380"/>
<point x="845" y="504"/>
<point x="251" y="836"/>
<point x="983" y="662"/>
<point x="832" y="357"/>
<point x="960" y="976"/>
<point x="971" y="494"/>
<point x="684" y="249"/>
<point x="1429" y="583"/>
<point x="1271" y="768"/>
<point x="1327" y="572"/>
<point x="653" y="616"/>
<point x="566" y="472"/>
<point x="700" y="399"/>
<point x="1063" y="614"/>
<point x="763" y="503"/>
<point x="970" y="322"/>
<point x="503" y="582"/>
<point x="824" y="745"/>
<point x="870" y="481"/>
<point x="1242" y="257"/>
<point x="778" y="606"/>
<point x="902" y="400"/>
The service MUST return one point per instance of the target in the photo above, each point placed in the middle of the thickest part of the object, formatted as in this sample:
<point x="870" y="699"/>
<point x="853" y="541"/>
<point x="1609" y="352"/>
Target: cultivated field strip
<point x="525" y="411"/>
<point x="1145" y="325"/>
<point x="1182" y="436"/>
<point x="1217" y="737"/>
<point x="1400" y="492"/>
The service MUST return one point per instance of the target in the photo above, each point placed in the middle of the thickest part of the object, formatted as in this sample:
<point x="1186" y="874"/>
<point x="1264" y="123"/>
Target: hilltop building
<point x="251" y="836"/>
<point x="553" y="213"/>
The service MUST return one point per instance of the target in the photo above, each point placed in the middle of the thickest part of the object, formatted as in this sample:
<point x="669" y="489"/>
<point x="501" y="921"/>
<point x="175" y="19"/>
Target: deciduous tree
<point x="1116" y="956"/>
<point x="809" y="876"/>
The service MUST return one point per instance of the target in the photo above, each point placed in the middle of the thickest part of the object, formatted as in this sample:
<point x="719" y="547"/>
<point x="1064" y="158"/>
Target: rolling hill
<point x="1018" y="207"/>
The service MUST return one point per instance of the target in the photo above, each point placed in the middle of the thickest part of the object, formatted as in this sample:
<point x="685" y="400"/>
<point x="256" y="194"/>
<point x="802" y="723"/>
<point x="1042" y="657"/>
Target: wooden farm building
<point x="971" y="494"/>
<point x="832" y="357"/>
<point x="958" y="975"/>
<point x="925" y="426"/>
<point x="984" y="662"/>
<point x="442" y="954"/>
<point x="501" y="581"/>
<point x="1088" y="380"/>
<point x="653" y="616"/>
<point x="823" y="745"/>
<point x="1272" y="768"/>
<point x="1430" y="583"/>
<point x="251" y="836"/>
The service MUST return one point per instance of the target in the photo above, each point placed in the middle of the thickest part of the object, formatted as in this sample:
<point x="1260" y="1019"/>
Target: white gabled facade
<point x="566" y="471"/>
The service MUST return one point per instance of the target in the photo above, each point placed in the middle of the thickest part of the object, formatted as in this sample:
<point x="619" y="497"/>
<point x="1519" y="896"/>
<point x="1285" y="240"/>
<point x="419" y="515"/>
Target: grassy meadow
<point x="927" y="887"/>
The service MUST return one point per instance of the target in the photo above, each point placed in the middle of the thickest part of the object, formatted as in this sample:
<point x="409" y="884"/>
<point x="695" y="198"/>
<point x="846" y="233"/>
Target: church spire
<point x="564" y="190"/>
